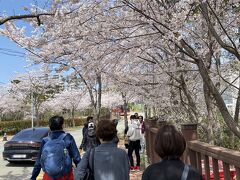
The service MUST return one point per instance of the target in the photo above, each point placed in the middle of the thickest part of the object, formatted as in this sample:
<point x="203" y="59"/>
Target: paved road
<point x="23" y="170"/>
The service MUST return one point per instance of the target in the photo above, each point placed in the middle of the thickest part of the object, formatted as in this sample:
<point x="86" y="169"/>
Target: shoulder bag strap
<point x="92" y="152"/>
<point x="185" y="172"/>
<point x="91" y="158"/>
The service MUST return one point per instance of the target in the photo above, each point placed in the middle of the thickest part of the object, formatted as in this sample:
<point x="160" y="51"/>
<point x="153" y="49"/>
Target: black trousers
<point x="134" y="146"/>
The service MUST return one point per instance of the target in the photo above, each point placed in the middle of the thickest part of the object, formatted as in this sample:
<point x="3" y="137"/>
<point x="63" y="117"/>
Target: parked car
<point x="24" y="146"/>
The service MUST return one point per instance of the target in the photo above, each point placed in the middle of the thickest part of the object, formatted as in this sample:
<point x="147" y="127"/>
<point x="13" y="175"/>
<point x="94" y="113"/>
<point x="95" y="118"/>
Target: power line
<point x="11" y="52"/>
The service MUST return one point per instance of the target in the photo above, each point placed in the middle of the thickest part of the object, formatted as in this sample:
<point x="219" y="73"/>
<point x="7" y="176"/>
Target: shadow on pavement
<point x="25" y="174"/>
<point x="20" y="164"/>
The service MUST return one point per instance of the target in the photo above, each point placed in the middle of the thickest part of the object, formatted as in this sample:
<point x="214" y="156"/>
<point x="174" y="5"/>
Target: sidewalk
<point x="134" y="175"/>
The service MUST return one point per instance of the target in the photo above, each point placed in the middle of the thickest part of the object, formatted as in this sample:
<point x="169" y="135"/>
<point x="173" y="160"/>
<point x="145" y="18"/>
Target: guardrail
<point x="211" y="161"/>
<point x="214" y="162"/>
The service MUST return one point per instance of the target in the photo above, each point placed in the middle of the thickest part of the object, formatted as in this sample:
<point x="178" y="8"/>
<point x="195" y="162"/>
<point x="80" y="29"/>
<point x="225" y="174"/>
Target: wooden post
<point x="152" y="124"/>
<point x="189" y="132"/>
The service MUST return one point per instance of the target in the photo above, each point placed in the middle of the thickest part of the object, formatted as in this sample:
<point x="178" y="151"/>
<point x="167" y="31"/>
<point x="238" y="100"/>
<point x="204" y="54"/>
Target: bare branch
<point x="26" y="16"/>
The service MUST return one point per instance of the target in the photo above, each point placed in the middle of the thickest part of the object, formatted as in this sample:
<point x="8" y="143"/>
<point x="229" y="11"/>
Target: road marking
<point x="40" y="176"/>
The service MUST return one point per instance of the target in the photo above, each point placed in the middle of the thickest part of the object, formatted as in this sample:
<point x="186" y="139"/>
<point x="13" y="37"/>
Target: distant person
<point x="85" y="127"/>
<point x="56" y="153"/>
<point x="142" y="124"/>
<point x="126" y="138"/>
<point x="135" y="136"/>
<point x="109" y="162"/>
<point x="115" y="139"/>
<point x="115" y="121"/>
<point x="126" y="128"/>
<point x="90" y="139"/>
<point x="169" y="145"/>
<point x="136" y="115"/>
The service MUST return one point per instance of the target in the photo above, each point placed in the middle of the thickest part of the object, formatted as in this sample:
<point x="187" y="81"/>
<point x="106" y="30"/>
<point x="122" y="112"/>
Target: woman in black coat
<point x="169" y="145"/>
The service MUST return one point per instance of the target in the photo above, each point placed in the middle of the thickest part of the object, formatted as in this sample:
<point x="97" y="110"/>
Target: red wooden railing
<point x="214" y="162"/>
<point x="211" y="161"/>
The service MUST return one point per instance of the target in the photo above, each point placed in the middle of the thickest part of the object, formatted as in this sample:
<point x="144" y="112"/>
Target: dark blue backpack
<point x="55" y="159"/>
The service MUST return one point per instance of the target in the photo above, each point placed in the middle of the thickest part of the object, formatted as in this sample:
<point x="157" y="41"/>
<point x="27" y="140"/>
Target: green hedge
<point x="12" y="127"/>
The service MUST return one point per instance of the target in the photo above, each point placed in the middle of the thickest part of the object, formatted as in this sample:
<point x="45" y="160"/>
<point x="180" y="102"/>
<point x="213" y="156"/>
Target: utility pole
<point x="32" y="108"/>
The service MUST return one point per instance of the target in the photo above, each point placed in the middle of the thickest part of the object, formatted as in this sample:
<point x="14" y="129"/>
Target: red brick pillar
<point x="189" y="132"/>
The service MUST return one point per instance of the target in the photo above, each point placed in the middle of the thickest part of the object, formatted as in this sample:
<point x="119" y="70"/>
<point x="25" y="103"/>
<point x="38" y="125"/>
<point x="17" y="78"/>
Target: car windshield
<point x="31" y="134"/>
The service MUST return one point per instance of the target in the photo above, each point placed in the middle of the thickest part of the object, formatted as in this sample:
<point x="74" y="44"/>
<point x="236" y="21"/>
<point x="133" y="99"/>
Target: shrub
<point x="12" y="127"/>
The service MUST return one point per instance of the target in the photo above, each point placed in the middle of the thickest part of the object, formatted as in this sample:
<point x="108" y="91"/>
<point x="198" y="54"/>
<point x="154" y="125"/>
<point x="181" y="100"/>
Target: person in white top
<point x="134" y="134"/>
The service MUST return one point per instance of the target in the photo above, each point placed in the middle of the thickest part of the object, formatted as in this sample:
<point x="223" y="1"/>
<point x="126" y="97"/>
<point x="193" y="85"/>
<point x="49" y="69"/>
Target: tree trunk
<point x="99" y="95"/>
<point x="192" y="108"/>
<point x="218" y="98"/>
<point x="145" y="111"/>
<point x="36" y="109"/>
<point x="236" y="116"/>
<point x="154" y="111"/>
<point x="210" y="116"/>
<point x="149" y="112"/>
<point x="73" y="117"/>
<point x="125" y="109"/>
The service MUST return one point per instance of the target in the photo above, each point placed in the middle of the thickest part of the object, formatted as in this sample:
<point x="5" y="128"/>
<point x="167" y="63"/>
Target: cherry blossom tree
<point x="168" y="52"/>
<point x="34" y="88"/>
<point x="174" y="30"/>
<point x="71" y="99"/>
<point x="9" y="105"/>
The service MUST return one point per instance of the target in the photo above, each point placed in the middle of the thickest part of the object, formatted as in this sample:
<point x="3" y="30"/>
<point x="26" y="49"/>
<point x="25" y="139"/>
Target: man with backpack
<point x="56" y="153"/>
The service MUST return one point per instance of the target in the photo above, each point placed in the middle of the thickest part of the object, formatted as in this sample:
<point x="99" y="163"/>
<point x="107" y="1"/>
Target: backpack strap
<point x="185" y="172"/>
<point x="62" y="136"/>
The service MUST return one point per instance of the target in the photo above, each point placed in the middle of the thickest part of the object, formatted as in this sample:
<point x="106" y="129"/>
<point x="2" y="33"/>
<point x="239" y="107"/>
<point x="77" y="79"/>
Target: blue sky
<point x="10" y="64"/>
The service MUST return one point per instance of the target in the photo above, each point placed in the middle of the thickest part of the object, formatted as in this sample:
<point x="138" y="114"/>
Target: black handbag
<point x="126" y="141"/>
<point x="89" y="175"/>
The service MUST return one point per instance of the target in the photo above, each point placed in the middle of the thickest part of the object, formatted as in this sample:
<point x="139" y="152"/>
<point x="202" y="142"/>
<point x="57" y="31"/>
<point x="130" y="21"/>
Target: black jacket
<point x="169" y="170"/>
<point x="85" y="127"/>
<point x="89" y="141"/>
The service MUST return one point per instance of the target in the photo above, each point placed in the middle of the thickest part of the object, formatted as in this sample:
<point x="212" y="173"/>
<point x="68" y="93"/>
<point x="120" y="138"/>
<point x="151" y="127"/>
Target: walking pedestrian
<point x="85" y="126"/>
<point x="56" y="153"/>
<point x="170" y="145"/>
<point x="134" y="134"/>
<point x="90" y="139"/>
<point x="109" y="162"/>
<point x="115" y="139"/>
